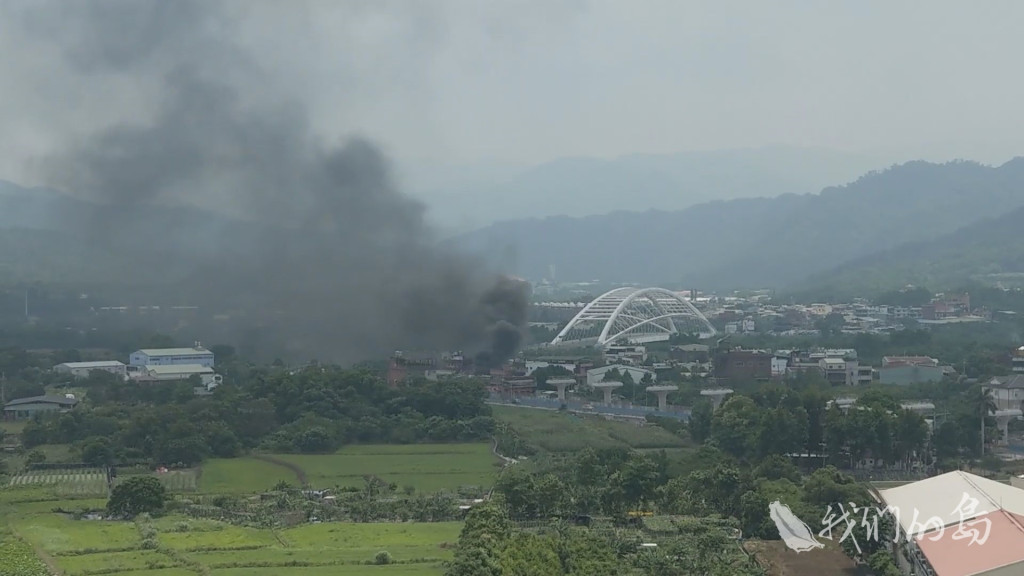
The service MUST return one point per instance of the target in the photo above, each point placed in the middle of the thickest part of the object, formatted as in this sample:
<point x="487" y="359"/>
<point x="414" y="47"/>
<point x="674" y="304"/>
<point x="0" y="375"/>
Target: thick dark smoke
<point x="329" y="258"/>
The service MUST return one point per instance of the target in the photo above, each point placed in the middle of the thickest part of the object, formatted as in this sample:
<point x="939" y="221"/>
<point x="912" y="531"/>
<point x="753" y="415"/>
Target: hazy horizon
<point x="460" y="83"/>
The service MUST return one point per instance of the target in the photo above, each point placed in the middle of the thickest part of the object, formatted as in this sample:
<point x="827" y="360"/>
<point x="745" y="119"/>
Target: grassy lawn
<point x="427" y="467"/>
<point x="564" y="432"/>
<point x="242" y="476"/>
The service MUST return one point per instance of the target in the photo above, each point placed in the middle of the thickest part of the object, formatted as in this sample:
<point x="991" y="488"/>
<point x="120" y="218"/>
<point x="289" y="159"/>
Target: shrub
<point x="383" y="557"/>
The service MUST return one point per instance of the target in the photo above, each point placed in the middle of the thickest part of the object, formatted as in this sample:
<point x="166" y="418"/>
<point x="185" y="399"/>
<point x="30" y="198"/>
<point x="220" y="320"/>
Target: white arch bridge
<point x="636" y="315"/>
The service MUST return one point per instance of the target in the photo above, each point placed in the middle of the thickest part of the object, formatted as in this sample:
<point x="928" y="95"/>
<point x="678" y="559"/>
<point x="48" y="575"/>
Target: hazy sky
<point x="465" y="81"/>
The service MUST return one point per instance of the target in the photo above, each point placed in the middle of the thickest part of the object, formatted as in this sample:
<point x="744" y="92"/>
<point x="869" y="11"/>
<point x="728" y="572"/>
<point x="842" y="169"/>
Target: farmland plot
<point x="68" y="482"/>
<point x="426" y="467"/>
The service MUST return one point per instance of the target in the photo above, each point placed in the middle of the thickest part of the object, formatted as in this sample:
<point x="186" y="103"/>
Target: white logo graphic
<point x="794" y="532"/>
<point x="798" y="535"/>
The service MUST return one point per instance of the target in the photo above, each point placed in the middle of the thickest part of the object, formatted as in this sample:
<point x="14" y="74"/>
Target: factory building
<point x="82" y="369"/>
<point x="172" y="357"/>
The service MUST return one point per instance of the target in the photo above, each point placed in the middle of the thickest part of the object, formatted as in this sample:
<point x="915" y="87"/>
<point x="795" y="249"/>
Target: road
<point x="625" y="409"/>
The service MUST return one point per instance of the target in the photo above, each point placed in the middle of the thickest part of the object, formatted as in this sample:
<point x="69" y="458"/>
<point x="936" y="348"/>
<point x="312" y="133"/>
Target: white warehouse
<point x="82" y="369"/>
<point x="172" y="357"/>
<point x="179" y="372"/>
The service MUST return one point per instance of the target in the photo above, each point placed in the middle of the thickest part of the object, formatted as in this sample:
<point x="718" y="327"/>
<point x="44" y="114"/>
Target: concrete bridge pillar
<point x="717" y="396"/>
<point x="662" y="393"/>
<point x="607" y="388"/>
<point x="561" y="384"/>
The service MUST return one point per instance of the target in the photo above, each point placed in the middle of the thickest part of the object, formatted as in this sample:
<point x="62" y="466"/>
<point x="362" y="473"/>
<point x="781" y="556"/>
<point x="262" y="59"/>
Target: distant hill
<point x="982" y="251"/>
<point x="475" y="196"/>
<point x="775" y="242"/>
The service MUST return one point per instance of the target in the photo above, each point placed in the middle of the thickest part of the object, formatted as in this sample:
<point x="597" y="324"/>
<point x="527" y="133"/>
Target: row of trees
<point x="316" y="409"/>
<point x="491" y="545"/>
<point x="775" y="420"/>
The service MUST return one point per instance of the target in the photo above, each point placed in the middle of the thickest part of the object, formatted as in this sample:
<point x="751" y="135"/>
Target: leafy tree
<point x="637" y="480"/>
<point x="700" y="420"/>
<point x="527" y="554"/>
<point x="97" y="451"/>
<point x="137" y="495"/>
<point x="736" y="426"/>
<point x="35" y="457"/>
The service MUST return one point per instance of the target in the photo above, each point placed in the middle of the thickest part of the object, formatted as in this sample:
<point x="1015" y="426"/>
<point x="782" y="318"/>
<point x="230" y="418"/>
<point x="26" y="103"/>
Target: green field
<point x="188" y="546"/>
<point x="242" y="476"/>
<point x="426" y="467"/>
<point x="565" y="432"/>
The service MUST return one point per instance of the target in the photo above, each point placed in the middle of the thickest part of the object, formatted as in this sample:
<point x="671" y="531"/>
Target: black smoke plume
<point x="321" y="254"/>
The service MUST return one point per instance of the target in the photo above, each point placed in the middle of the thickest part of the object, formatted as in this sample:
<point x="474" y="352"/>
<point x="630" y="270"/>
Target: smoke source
<point x="325" y="256"/>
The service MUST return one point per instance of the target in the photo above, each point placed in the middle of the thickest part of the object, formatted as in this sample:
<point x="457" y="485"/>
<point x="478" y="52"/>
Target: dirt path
<point x="781" y="561"/>
<point x="299" y="472"/>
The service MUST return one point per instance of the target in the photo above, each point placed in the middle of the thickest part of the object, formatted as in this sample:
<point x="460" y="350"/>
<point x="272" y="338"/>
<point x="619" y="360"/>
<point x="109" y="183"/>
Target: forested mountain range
<point x="764" y="242"/>
<point x="987" y="251"/>
<point x="469" y="197"/>
<point x="918" y="222"/>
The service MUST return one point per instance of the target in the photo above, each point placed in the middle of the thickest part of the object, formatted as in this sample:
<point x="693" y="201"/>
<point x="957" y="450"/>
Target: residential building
<point x="518" y="387"/>
<point x="905" y="370"/>
<point x="845" y="372"/>
<point x="23" y="408"/>
<point x="691" y="353"/>
<point x="780" y="364"/>
<point x="82" y="369"/>
<point x="1017" y="360"/>
<point x="595" y="375"/>
<point x="943" y="519"/>
<point x="739" y="365"/>
<point x="403" y="366"/>
<point x="171" y="356"/>
<point x="625" y="354"/>
<point x="1007" y="391"/>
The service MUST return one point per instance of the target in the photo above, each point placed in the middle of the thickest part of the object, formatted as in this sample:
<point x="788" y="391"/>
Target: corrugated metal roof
<point x="1000" y="542"/>
<point x="940" y="496"/>
<point x="96" y="364"/>
<point x="173" y="351"/>
<point x="50" y="399"/>
<point x="180" y="369"/>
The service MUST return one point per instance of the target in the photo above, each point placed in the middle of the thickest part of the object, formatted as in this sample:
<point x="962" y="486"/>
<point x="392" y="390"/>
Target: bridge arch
<point x="636" y="314"/>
